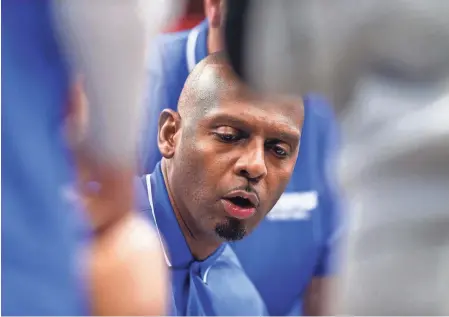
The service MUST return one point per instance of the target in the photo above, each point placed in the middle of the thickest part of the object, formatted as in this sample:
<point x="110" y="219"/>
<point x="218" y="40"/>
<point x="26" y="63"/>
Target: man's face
<point x="233" y="163"/>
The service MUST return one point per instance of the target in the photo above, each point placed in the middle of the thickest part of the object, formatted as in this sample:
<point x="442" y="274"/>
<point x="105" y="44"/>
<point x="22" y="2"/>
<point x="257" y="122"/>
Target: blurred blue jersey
<point x="41" y="228"/>
<point x="297" y="241"/>
<point x="216" y="286"/>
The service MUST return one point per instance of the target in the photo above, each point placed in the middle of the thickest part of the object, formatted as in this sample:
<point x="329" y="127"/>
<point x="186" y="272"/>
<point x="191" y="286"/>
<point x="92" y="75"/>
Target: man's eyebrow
<point x="226" y="118"/>
<point x="286" y="134"/>
<point x="290" y="136"/>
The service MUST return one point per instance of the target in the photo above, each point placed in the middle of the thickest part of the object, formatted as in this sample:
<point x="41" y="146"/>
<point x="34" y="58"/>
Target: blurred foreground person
<point x="54" y="260"/>
<point x="291" y="256"/>
<point x="386" y="67"/>
<point x="228" y="155"/>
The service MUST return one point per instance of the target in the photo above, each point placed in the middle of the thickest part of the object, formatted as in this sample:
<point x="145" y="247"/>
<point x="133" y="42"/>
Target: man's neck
<point x="200" y="246"/>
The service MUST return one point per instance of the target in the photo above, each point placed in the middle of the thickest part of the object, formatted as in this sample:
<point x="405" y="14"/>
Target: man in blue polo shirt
<point x="228" y="154"/>
<point x="289" y="256"/>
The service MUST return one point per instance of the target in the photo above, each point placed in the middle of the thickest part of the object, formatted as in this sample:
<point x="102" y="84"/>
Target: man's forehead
<point x="218" y="89"/>
<point x="277" y="106"/>
<point x="263" y="113"/>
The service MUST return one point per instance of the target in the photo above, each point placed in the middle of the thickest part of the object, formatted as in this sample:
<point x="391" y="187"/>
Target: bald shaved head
<point x="213" y="80"/>
<point x="209" y="81"/>
<point x="225" y="137"/>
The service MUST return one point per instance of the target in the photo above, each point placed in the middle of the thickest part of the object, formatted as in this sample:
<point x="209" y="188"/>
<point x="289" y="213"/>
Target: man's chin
<point x="231" y="229"/>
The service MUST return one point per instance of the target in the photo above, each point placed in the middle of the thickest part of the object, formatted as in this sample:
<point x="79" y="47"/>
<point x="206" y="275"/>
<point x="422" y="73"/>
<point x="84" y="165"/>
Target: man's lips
<point x="240" y="204"/>
<point x="236" y="211"/>
<point x="251" y="197"/>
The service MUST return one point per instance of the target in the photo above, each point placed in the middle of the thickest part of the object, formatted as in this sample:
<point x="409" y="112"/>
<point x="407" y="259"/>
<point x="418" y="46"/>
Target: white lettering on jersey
<point x="294" y="206"/>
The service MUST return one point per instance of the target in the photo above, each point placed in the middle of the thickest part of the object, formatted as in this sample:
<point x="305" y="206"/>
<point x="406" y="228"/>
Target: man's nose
<point x="251" y="163"/>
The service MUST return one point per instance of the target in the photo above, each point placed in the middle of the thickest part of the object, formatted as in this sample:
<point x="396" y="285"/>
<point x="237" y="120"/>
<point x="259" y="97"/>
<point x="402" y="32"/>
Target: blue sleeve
<point x="329" y="192"/>
<point x="155" y="102"/>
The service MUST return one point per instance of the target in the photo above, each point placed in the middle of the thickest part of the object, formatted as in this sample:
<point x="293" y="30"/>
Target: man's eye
<point x="226" y="137"/>
<point x="280" y="152"/>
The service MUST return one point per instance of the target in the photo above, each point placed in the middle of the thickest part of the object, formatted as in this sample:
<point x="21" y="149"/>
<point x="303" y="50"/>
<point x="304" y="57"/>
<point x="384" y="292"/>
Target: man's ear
<point x="212" y="10"/>
<point x="169" y="126"/>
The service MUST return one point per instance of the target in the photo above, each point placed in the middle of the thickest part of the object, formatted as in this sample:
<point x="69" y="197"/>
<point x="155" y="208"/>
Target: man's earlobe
<point x="169" y="123"/>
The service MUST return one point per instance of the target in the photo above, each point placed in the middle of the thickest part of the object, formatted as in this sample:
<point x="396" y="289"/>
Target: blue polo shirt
<point x="216" y="286"/>
<point x="42" y="230"/>
<point x="298" y="239"/>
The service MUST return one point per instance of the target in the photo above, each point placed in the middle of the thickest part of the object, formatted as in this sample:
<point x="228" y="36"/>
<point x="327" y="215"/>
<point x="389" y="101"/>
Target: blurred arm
<point x="106" y="41"/>
<point x="129" y="273"/>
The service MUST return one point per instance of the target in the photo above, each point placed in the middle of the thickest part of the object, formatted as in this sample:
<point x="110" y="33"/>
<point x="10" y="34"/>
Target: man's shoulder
<point x="321" y="129"/>
<point x="173" y="40"/>
<point x="167" y="67"/>
<point x="319" y="110"/>
<point x="170" y="47"/>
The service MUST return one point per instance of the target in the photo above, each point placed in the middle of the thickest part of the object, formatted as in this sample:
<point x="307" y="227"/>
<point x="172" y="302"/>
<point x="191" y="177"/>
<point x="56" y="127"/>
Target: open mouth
<point x="241" y="202"/>
<point x="239" y="207"/>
